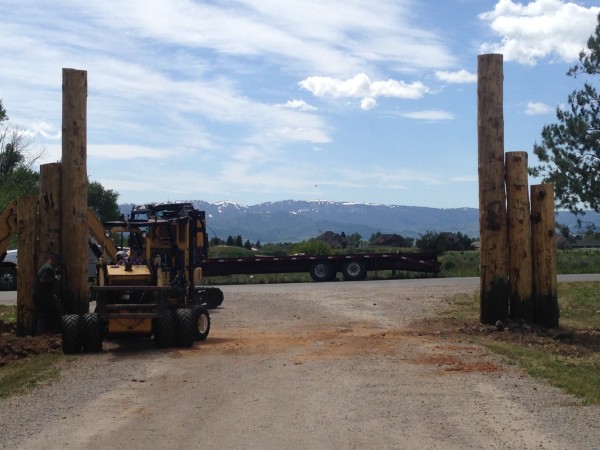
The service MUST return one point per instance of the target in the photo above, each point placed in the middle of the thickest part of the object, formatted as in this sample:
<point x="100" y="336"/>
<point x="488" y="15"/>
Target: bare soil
<point x="564" y="341"/>
<point x="13" y="348"/>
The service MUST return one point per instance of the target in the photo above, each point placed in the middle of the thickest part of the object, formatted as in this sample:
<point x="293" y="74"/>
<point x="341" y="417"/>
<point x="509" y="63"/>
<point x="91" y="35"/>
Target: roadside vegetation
<point x="8" y="313"/>
<point x="568" y="358"/>
<point x="466" y="264"/>
<point x="24" y="374"/>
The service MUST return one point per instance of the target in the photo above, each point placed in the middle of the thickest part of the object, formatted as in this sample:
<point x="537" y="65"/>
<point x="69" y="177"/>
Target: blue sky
<point x="264" y="100"/>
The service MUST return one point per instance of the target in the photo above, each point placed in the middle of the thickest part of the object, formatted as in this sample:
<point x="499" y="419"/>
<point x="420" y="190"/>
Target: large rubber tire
<point x="354" y="270"/>
<point x="210" y="297"/>
<point x="322" y="271"/>
<point x="71" y="338"/>
<point x="91" y="333"/>
<point x="186" y="327"/>
<point x="214" y="297"/>
<point x="164" y="334"/>
<point x="202" y="320"/>
<point x="8" y="279"/>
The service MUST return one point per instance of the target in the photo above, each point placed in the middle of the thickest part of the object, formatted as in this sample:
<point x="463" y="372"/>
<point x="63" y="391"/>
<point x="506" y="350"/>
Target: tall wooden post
<point x="27" y="209"/>
<point x="543" y="239"/>
<point x="492" y="196"/>
<point x="519" y="237"/>
<point x="50" y="211"/>
<point x="74" y="191"/>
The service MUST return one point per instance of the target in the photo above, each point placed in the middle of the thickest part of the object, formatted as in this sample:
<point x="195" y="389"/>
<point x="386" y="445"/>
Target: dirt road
<point x="331" y="365"/>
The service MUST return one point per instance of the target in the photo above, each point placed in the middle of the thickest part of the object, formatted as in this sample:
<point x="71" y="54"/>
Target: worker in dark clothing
<point x="45" y="297"/>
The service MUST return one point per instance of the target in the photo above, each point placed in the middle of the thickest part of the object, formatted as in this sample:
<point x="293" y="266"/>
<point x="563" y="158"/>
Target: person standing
<point x="45" y="297"/>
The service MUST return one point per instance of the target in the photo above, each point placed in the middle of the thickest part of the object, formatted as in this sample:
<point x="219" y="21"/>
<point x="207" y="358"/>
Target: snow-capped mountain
<point x="297" y="220"/>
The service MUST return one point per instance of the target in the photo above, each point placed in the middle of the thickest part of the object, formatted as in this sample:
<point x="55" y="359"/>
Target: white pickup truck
<point x="8" y="271"/>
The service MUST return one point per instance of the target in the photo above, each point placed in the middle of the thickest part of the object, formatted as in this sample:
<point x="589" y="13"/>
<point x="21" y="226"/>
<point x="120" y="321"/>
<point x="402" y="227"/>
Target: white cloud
<point x="46" y="130"/>
<point x="123" y="152"/>
<point x="383" y="176"/>
<point x="542" y="28"/>
<point x="362" y="87"/>
<point x="459" y="77"/>
<point x="536" y="108"/>
<point x="368" y="103"/>
<point x="308" y="35"/>
<point x="429" y="115"/>
<point x="464" y="179"/>
<point x="300" y="105"/>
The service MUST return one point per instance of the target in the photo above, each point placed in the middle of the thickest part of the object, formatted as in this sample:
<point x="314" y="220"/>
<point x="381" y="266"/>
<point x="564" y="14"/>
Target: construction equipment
<point x="154" y="290"/>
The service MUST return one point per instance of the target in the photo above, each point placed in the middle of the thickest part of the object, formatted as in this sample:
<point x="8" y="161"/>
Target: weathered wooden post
<point x="74" y="191"/>
<point x="492" y="196"/>
<point x="27" y="210"/>
<point x="544" y="255"/>
<point x="520" y="277"/>
<point x="50" y="211"/>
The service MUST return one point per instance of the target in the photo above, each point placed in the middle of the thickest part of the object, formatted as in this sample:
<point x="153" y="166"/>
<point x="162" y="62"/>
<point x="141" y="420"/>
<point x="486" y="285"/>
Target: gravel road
<point x="296" y="366"/>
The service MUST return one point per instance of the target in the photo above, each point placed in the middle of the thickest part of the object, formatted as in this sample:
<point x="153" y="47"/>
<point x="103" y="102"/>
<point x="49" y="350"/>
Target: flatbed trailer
<point x="323" y="268"/>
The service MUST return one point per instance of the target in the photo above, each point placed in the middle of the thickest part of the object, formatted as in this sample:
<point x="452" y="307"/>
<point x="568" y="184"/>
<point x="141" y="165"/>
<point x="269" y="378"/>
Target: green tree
<point x="569" y="153"/>
<point x="428" y="242"/>
<point x="103" y="201"/>
<point x="239" y="241"/>
<point x="465" y="241"/>
<point x="17" y="178"/>
<point x="21" y="181"/>
<point x="374" y="236"/>
<point x="214" y="241"/>
<point x="3" y="115"/>
<point x="354" y="239"/>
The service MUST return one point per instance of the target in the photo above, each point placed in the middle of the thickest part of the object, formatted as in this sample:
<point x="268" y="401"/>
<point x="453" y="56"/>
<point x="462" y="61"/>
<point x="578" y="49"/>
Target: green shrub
<point x="313" y="247"/>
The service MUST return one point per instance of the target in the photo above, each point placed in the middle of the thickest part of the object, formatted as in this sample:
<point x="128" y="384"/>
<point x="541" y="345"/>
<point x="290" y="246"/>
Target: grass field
<point x="8" y="313"/>
<point x="466" y="264"/>
<point x="568" y="358"/>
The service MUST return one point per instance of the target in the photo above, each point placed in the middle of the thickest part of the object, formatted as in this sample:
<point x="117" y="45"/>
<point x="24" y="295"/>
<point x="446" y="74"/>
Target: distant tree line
<point x="326" y="243"/>
<point x="443" y="242"/>
<point x="236" y="241"/>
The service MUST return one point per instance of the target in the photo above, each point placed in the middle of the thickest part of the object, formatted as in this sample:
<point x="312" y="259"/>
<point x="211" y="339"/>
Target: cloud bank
<point x="539" y="29"/>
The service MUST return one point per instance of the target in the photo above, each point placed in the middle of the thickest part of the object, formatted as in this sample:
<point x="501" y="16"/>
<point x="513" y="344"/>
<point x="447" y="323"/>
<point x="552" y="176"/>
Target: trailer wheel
<point x="71" y="336"/>
<point x="354" y="270"/>
<point x="164" y="335"/>
<point x="91" y="333"/>
<point x="202" y="319"/>
<point x="186" y="327"/>
<point x="322" y="271"/>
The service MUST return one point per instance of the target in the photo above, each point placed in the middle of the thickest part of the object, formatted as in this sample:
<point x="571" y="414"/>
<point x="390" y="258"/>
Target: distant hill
<point x="296" y="220"/>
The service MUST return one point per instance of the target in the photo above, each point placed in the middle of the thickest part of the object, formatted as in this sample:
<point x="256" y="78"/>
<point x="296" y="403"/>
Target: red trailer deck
<point x="323" y="268"/>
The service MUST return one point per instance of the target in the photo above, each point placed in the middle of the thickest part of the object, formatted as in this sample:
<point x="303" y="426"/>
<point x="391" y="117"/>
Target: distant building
<point x="334" y="240"/>
<point x="391" y="240"/>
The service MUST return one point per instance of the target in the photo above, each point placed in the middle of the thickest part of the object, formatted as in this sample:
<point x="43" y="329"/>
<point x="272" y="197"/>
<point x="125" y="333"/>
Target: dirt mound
<point x="13" y="348"/>
<point x="564" y="341"/>
<point x="7" y="327"/>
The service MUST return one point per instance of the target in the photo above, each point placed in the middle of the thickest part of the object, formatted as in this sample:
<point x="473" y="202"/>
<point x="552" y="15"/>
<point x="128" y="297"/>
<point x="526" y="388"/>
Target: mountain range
<point x="298" y="220"/>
